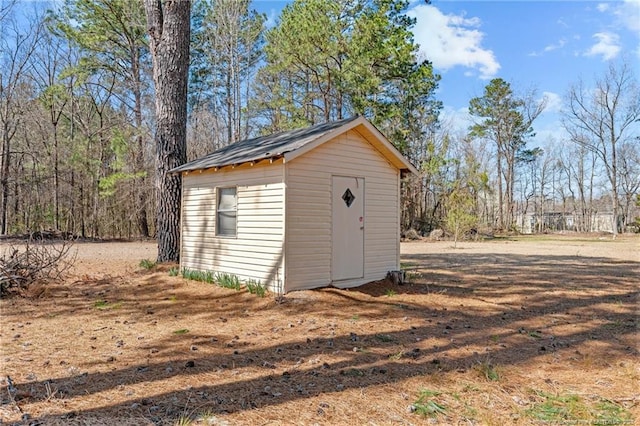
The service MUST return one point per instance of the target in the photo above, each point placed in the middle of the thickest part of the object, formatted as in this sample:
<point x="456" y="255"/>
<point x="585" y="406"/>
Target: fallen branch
<point x="21" y="266"/>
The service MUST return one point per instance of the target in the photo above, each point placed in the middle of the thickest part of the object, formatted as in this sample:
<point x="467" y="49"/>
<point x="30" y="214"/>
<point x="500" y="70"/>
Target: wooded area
<point x="81" y="135"/>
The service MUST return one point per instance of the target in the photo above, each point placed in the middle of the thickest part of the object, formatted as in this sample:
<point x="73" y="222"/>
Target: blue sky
<point x="541" y="45"/>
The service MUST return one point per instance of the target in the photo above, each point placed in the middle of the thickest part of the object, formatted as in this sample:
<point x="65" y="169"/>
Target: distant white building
<point x="530" y="223"/>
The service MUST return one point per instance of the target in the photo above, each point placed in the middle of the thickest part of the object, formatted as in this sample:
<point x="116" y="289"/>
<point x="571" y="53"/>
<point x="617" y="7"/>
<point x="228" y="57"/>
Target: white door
<point x="348" y="228"/>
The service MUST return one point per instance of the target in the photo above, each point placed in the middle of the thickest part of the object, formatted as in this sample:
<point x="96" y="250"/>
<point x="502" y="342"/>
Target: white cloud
<point x="457" y="120"/>
<point x="548" y="130"/>
<point x="554" y="102"/>
<point x="551" y="47"/>
<point x="603" y="7"/>
<point x="628" y="12"/>
<point x="627" y="17"/>
<point x="559" y="45"/>
<point x="608" y="46"/>
<point x="452" y="40"/>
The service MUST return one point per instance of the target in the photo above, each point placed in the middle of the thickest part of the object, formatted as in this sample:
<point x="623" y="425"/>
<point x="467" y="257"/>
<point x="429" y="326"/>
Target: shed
<point x="296" y="210"/>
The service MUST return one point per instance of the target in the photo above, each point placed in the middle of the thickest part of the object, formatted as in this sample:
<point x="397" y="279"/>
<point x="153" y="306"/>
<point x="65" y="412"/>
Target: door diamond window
<point x="348" y="197"/>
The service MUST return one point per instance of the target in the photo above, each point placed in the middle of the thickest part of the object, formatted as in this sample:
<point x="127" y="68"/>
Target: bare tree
<point x="169" y="33"/>
<point x="6" y="7"/>
<point x="629" y="181"/>
<point x="48" y="62"/>
<point x="112" y="36"/>
<point x="603" y="118"/>
<point x="17" y="47"/>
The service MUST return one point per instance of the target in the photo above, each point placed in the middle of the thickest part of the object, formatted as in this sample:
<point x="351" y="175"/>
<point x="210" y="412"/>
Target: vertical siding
<point x="257" y="250"/>
<point x="308" y="227"/>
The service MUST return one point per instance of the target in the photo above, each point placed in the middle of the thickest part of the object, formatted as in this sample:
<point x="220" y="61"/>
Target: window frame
<point x="219" y="191"/>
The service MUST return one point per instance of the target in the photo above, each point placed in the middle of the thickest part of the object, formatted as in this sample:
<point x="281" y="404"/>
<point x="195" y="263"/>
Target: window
<point x="226" y="212"/>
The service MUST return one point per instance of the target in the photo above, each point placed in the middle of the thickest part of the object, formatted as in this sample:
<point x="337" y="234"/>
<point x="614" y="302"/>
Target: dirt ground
<point x="538" y="330"/>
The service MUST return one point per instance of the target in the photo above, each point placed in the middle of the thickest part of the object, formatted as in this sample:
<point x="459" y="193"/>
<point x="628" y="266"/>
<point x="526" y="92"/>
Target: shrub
<point x="412" y="234"/>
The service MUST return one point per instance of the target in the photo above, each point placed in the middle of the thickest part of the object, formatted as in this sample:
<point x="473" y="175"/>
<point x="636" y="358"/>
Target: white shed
<point x="296" y="210"/>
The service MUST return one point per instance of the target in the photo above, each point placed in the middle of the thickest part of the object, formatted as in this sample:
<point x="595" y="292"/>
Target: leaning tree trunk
<point x="169" y="32"/>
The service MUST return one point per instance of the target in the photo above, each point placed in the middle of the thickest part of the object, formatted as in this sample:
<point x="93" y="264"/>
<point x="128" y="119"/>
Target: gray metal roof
<point x="263" y="147"/>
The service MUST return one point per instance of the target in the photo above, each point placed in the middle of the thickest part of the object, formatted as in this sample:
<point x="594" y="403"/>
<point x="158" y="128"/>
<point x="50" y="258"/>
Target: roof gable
<point x="293" y="143"/>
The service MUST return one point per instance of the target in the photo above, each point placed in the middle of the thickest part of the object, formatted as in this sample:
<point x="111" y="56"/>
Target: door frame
<point x="360" y="181"/>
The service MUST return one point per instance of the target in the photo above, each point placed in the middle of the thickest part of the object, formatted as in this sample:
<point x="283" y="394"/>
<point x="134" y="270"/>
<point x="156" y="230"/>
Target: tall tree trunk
<point x="229" y="106"/>
<point x="500" y="192"/>
<point x="614" y="179"/>
<point x="141" y="188"/>
<point x="56" y="178"/>
<point x="169" y="34"/>
<point x="4" y="179"/>
<point x="510" y="180"/>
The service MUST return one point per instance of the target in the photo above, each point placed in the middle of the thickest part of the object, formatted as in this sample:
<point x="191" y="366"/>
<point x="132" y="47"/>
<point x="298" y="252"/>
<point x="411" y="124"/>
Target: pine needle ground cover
<point x="540" y="330"/>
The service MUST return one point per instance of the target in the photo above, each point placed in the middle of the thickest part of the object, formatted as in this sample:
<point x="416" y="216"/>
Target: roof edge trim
<point x="360" y="121"/>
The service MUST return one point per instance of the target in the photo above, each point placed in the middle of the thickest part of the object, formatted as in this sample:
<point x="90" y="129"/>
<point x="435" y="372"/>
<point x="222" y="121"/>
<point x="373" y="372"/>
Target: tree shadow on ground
<point x="569" y="288"/>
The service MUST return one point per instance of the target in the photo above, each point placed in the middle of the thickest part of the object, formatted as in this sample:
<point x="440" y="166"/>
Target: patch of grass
<point x="470" y="411"/>
<point x="228" y="280"/>
<point x="224" y="279"/>
<point x="355" y="317"/>
<point x="488" y="371"/>
<point x="256" y="287"/>
<point x="197" y="275"/>
<point x="412" y="275"/>
<point x="209" y="418"/>
<point x="402" y="306"/>
<point x="535" y="334"/>
<point x="470" y="387"/>
<point x="174" y="271"/>
<point x="353" y="372"/>
<point x="384" y="338"/>
<point x="570" y="407"/>
<point x="613" y="325"/>
<point x="104" y="305"/>
<point x="390" y="292"/>
<point x="396" y="356"/>
<point x="100" y="304"/>
<point x="557" y="408"/>
<point x="181" y="331"/>
<point x="183" y="421"/>
<point x="609" y="413"/>
<point x="147" y="264"/>
<point x="427" y="405"/>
